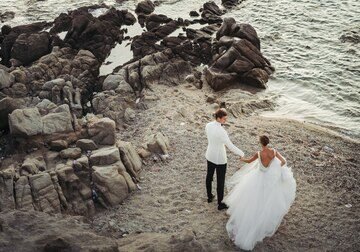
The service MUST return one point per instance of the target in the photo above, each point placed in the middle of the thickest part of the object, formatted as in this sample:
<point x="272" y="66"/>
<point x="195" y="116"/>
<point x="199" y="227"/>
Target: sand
<point x="172" y="199"/>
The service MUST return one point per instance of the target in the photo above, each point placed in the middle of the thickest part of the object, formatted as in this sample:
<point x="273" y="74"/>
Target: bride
<point x="261" y="193"/>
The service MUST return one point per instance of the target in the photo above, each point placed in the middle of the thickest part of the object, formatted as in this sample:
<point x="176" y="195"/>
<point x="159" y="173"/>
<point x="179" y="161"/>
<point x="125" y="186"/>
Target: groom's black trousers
<point x="220" y="179"/>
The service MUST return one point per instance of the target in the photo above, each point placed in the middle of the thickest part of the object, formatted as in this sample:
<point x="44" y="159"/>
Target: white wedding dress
<point x="259" y="198"/>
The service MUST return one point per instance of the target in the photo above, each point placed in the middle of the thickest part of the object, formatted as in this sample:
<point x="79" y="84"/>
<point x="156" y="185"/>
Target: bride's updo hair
<point x="220" y="113"/>
<point x="264" y="140"/>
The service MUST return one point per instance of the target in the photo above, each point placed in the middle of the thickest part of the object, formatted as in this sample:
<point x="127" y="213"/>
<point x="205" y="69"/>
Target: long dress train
<point x="258" y="200"/>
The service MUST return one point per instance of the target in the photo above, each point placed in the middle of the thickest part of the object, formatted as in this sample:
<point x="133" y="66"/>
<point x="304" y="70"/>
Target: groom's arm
<point x="231" y="146"/>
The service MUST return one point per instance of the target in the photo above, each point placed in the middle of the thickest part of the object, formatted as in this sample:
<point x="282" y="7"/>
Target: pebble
<point x="328" y="149"/>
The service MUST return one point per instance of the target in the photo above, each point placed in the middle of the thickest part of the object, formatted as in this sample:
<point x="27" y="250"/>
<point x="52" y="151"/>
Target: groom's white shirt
<point x="217" y="139"/>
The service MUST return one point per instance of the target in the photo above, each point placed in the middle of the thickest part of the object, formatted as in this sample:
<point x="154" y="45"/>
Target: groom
<point x="216" y="155"/>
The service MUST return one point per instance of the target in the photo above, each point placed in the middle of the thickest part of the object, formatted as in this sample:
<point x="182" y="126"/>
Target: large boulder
<point x="245" y="31"/>
<point x="25" y="122"/>
<point x="12" y="33"/>
<point x="45" y="196"/>
<point x="105" y="156"/>
<point x="77" y="194"/>
<point x="145" y="7"/>
<point x="102" y="131"/>
<point x="113" y="81"/>
<point x="30" y="47"/>
<point x="130" y="158"/>
<point x="240" y="63"/>
<point x="110" y="183"/>
<point x="60" y="120"/>
<point x="211" y="13"/>
<point x="24" y="198"/>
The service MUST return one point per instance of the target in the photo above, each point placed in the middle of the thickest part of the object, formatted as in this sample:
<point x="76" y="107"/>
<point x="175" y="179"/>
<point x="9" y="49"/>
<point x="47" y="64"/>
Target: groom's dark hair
<point x="264" y="140"/>
<point x="220" y="113"/>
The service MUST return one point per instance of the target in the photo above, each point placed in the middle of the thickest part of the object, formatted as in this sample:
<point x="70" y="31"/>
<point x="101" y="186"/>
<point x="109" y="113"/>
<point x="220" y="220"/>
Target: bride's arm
<point x="281" y="158"/>
<point x="249" y="160"/>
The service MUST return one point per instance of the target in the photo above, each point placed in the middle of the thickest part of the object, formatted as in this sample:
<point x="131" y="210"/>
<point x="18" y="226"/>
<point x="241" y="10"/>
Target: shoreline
<point x="120" y="159"/>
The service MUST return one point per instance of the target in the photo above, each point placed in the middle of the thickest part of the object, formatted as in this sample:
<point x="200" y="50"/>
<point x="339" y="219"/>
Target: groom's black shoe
<point x="211" y="198"/>
<point x="222" y="206"/>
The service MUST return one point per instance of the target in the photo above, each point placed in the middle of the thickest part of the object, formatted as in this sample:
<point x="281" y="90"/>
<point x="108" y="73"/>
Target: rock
<point x="143" y="153"/>
<point x="25" y="122"/>
<point x="17" y="90"/>
<point x="194" y="14"/>
<point x="60" y="120"/>
<point x="6" y="79"/>
<point x="30" y="47"/>
<point x="352" y="36"/>
<point x="82" y="169"/>
<point x="7" y="106"/>
<point x="23" y="194"/>
<point x="145" y="7"/>
<point x="32" y="165"/>
<point x="157" y="143"/>
<point x="58" y="145"/>
<point x="110" y="183"/>
<point x="102" y="131"/>
<point x="195" y="79"/>
<point x="53" y="233"/>
<point x="70" y="153"/>
<point x="163" y="68"/>
<point x="55" y="181"/>
<point x="256" y="77"/>
<point x="45" y="197"/>
<point x="45" y="106"/>
<point x="210" y="98"/>
<point x="97" y="35"/>
<point x="328" y="149"/>
<point x="113" y="81"/>
<point x="129" y="114"/>
<point x="244" y="31"/>
<point x="218" y="80"/>
<point x="130" y="158"/>
<point x="86" y="144"/>
<point x="6" y="16"/>
<point x="113" y="105"/>
<point x="78" y="195"/>
<point x="49" y="85"/>
<point x="105" y="156"/>
<point x="7" y="201"/>
<point x="123" y="87"/>
<point x="11" y="35"/>
<point x="230" y="3"/>
<point x="242" y="63"/>
<point x="211" y="13"/>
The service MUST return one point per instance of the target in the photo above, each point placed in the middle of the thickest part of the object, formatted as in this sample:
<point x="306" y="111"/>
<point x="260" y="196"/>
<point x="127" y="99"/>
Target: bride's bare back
<point x="266" y="155"/>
